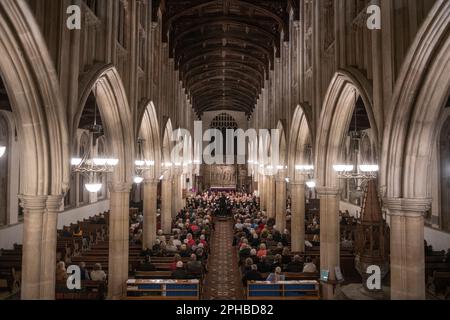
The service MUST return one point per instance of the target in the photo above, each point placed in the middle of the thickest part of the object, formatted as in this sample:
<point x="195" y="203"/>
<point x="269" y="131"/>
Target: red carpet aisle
<point x="223" y="280"/>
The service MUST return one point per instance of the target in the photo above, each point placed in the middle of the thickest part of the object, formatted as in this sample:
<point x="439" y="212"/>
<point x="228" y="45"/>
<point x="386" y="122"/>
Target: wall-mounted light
<point x="2" y="151"/>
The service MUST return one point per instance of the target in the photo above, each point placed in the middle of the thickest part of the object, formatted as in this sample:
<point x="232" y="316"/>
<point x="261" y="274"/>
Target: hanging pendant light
<point x="141" y="164"/>
<point x="358" y="171"/>
<point x="93" y="167"/>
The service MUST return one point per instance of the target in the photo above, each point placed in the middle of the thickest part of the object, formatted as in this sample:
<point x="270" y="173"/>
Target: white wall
<point x="438" y="239"/>
<point x="11" y="235"/>
<point x="350" y="207"/>
<point x="14" y="234"/>
<point x="79" y="214"/>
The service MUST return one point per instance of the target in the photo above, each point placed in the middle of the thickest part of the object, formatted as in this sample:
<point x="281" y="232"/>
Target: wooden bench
<point x="441" y="281"/>
<point x="90" y="290"/>
<point x="283" y="290"/>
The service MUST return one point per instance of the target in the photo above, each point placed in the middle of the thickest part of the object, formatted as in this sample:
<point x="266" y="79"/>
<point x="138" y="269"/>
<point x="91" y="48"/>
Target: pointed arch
<point x="149" y="131"/>
<point x="419" y="96"/>
<point x="282" y="161"/>
<point x="32" y="86"/>
<point x="300" y="136"/>
<point x="106" y="83"/>
<point x="335" y="119"/>
<point x="167" y="142"/>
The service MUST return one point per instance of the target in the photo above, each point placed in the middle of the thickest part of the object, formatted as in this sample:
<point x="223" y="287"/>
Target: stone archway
<point x="117" y="121"/>
<point x="279" y="183"/>
<point x="150" y="133"/>
<point x="420" y="93"/>
<point x="167" y="179"/>
<point x="32" y="86"/>
<point x="335" y="119"/>
<point x="299" y="139"/>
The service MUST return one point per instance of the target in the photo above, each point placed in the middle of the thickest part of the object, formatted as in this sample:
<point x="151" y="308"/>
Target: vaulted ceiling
<point x="224" y="49"/>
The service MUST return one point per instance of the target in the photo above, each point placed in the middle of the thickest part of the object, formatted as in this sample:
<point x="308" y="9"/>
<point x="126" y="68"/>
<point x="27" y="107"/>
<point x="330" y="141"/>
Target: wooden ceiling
<point x="224" y="49"/>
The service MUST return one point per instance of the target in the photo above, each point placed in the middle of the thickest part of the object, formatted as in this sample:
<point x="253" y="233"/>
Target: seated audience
<point x="98" y="274"/>
<point x="252" y="275"/>
<point x="276" y="276"/>
<point x="309" y="267"/>
<point x="296" y="265"/>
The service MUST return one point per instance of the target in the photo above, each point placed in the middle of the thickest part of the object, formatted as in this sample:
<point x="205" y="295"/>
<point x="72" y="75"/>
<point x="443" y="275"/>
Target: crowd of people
<point x="262" y="247"/>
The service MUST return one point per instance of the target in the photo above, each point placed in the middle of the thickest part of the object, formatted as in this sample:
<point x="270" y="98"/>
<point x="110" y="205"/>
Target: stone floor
<point x="223" y="280"/>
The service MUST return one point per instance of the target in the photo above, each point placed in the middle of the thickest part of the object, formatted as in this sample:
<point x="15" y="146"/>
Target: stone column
<point x="407" y="249"/>
<point x="34" y="210"/>
<point x="270" y="198"/>
<point x="329" y="236"/>
<point x="150" y="207"/>
<point x="261" y="189"/>
<point x="166" y="205"/>
<point x="177" y="193"/>
<point x="118" y="240"/>
<point x="48" y="253"/>
<point x="280" y="206"/>
<point x="298" y="216"/>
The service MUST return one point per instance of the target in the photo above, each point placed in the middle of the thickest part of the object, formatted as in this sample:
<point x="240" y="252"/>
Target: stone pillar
<point x="280" y="206"/>
<point x="270" y="198"/>
<point x="150" y="207"/>
<point x="34" y="210"/>
<point x="407" y="247"/>
<point x="48" y="253"/>
<point x="297" y="216"/>
<point x="118" y="240"/>
<point x="261" y="189"/>
<point x="166" y="205"/>
<point x="329" y="236"/>
<point x="177" y="196"/>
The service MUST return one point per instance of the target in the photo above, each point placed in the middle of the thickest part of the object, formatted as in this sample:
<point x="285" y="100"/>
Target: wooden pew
<point x="90" y="290"/>
<point x="441" y="281"/>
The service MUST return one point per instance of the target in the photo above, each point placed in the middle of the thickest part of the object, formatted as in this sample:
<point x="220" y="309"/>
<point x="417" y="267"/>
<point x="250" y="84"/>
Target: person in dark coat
<point x="295" y="266"/>
<point x="179" y="273"/>
<point x="252" y="275"/>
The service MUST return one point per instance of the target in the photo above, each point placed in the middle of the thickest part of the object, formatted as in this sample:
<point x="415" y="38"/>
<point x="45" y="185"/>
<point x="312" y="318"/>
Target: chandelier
<point x="307" y="170"/>
<point x="93" y="168"/>
<point x="141" y="164"/>
<point x="356" y="171"/>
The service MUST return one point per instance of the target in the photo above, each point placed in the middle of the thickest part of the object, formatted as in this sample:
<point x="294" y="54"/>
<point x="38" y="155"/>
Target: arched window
<point x="224" y="122"/>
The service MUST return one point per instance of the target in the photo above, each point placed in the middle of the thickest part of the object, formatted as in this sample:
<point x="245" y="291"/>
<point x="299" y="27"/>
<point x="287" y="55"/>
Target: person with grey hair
<point x="252" y="275"/>
<point x="98" y="274"/>
<point x="194" y="266"/>
<point x="296" y="265"/>
<point x="276" y="276"/>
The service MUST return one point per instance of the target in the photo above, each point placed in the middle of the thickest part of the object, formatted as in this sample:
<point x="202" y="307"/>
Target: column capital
<point x="54" y="202"/>
<point x="33" y="202"/>
<point x="328" y="191"/>
<point x="120" y="187"/>
<point x="407" y="207"/>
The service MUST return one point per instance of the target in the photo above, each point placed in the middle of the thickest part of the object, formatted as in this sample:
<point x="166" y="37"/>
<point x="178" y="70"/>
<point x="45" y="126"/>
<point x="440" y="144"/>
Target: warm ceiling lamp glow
<point x="138" y="180"/>
<point x="93" y="187"/>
